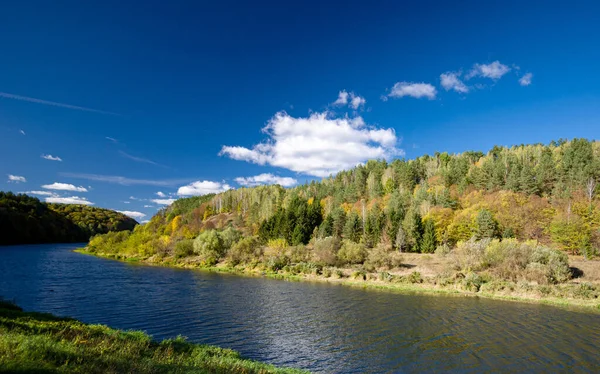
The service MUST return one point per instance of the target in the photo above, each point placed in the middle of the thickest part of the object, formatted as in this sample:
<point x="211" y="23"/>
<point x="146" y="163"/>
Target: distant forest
<point x="27" y="220"/>
<point x="546" y="193"/>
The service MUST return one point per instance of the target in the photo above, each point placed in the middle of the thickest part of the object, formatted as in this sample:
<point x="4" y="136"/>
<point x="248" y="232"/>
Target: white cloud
<point x="22" y="132"/>
<point x="351" y="99"/>
<point x="126" y="202"/>
<point x="342" y="98"/>
<point x="69" y="200"/>
<point x="64" y="187"/>
<point x="41" y="193"/>
<point x="416" y="90"/>
<point x="451" y="81"/>
<point x="16" y="178"/>
<point x="161" y="194"/>
<point x="317" y="145"/>
<point x="145" y="221"/>
<point x="163" y="201"/>
<point x="200" y="188"/>
<point x="526" y="79"/>
<point x="265" y="179"/>
<point x="148" y="206"/>
<point x="111" y="139"/>
<point x="51" y="158"/>
<point x="132" y="214"/>
<point x="494" y="71"/>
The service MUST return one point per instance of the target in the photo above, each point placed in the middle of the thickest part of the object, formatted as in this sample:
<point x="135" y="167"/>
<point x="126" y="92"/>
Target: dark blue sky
<point x="175" y="83"/>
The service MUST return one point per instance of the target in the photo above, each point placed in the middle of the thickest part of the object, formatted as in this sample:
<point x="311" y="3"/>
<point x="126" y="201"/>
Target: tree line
<point x="27" y="220"/>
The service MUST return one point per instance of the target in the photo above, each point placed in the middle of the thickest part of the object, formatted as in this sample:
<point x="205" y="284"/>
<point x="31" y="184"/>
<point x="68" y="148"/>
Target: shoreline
<point x="43" y="342"/>
<point x="369" y="282"/>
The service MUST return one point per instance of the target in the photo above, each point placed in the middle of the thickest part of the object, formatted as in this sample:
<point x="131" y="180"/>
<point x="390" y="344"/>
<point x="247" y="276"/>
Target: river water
<point x="319" y="327"/>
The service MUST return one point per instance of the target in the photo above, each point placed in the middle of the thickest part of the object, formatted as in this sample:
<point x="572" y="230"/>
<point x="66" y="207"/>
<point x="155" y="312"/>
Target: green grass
<point x="43" y="343"/>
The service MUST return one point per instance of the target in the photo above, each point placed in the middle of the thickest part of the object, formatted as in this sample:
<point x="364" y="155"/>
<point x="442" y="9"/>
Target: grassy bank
<point x="420" y="273"/>
<point x="42" y="343"/>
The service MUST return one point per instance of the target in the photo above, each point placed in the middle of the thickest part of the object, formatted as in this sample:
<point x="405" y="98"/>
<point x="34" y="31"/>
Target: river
<point x="315" y="326"/>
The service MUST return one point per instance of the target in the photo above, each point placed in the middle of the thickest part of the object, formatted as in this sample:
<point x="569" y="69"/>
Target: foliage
<point x="351" y="253"/>
<point x="210" y="246"/>
<point x="39" y="342"/>
<point x="27" y="220"/>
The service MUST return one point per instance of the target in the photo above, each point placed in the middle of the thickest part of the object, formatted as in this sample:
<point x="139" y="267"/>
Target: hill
<point x="27" y="220"/>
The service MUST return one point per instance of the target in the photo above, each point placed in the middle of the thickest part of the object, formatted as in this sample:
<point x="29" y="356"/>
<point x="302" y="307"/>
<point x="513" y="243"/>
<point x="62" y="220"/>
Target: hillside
<point x="27" y="220"/>
<point x="511" y="214"/>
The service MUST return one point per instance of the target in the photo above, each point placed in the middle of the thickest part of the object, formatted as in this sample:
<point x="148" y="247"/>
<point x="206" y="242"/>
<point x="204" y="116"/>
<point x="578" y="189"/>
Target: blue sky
<point x="189" y="98"/>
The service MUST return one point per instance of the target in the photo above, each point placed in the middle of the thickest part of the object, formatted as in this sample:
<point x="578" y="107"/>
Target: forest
<point x="27" y="220"/>
<point x="542" y="192"/>
<point x="513" y="214"/>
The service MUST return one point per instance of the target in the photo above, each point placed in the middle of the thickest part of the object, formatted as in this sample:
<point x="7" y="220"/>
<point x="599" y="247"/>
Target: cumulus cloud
<point x="494" y="70"/>
<point x="132" y="214"/>
<point x="342" y="98"/>
<point x="317" y="145"/>
<point x="200" y="188"/>
<point x="64" y="187"/>
<point x="351" y="99"/>
<point x="161" y="194"/>
<point x="265" y="178"/>
<point x="69" y="200"/>
<point x="526" y="79"/>
<point x="451" y="81"/>
<point x="16" y="179"/>
<point x="51" y="158"/>
<point x="416" y="90"/>
<point x="163" y="201"/>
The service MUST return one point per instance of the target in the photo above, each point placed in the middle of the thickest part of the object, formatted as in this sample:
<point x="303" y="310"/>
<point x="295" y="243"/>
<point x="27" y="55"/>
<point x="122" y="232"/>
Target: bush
<point x="184" y="248"/>
<point x="209" y="246"/>
<point x="245" y="251"/>
<point x="512" y="260"/>
<point x="298" y="253"/>
<point x="276" y="263"/>
<point x="415" y="277"/>
<point x="351" y="253"/>
<point x="381" y="256"/>
<point x="325" y="250"/>
<point x="277" y="244"/>
<point x="472" y="282"/>
<point x="230" y="236"/>
<point x="442" y="250"/>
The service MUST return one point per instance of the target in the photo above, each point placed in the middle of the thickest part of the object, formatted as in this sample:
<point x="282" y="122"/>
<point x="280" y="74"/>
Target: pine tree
<point x="486" y="225"/>
<point x="429" y="243"/>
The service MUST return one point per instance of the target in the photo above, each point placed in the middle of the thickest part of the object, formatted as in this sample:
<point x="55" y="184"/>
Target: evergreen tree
<point x="486" y="225"/>
<point x="429" y="242"/>
<point x="353" y="228"/>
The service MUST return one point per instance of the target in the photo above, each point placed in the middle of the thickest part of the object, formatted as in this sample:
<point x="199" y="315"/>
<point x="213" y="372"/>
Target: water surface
<point x="319" y="327"/>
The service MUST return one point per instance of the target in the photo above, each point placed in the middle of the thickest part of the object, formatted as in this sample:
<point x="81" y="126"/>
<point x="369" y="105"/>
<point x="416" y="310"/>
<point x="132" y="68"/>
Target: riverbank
<point x="420" y="273"/>
<point x="40" y="342"/>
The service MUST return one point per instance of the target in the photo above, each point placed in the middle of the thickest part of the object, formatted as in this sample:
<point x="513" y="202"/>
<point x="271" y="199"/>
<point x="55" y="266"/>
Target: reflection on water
<point x="320" y="327"/>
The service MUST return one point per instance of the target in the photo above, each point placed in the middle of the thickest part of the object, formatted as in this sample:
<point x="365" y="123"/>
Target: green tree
<point x="486" y="225"/>
<point x="429" y="242"/>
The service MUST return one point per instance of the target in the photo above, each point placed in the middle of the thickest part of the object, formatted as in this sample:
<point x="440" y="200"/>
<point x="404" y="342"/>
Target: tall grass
<point x="43" y="343"/>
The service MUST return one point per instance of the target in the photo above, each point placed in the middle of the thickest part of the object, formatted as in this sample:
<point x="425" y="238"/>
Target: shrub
<point x="442" y="250"/>
<point x="325" y="250"/>
<point x="513" y="260"/>
<point x="351" y="253"/>
<point x="184" y="248"/>
<point x="298" y="253"/>
<point x="276" y="263"/>
<point x="359" y="274"/>
<point x="245" y="251"/>
<point x="472" y="282"/>
<point x="415" y="277"/>
<point x="209" y="246"/>
<point x="381" y="256"/>
<point x="277" y="244"/>
<point x="230" y="236"/>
